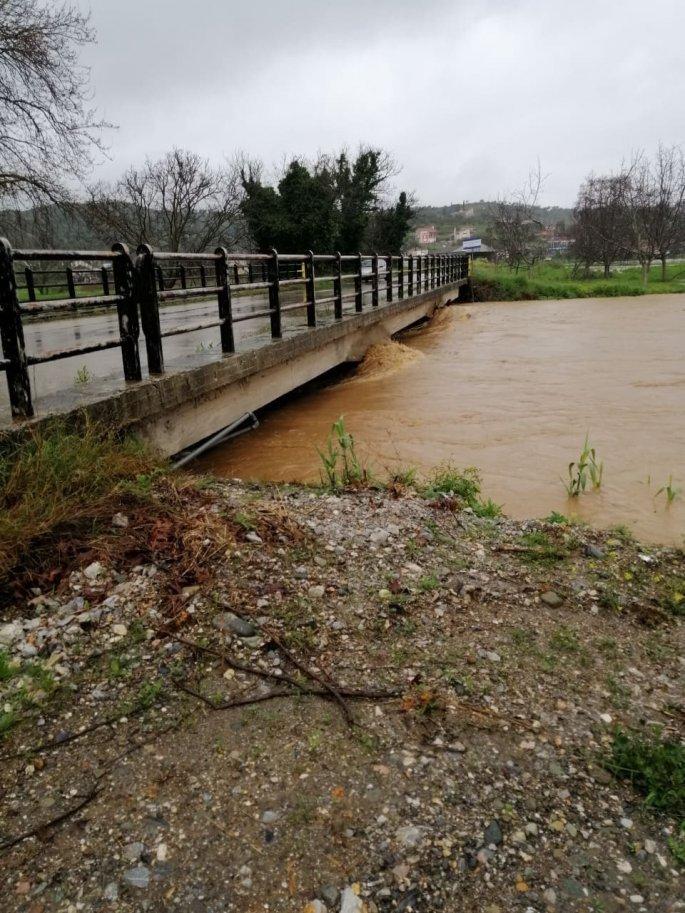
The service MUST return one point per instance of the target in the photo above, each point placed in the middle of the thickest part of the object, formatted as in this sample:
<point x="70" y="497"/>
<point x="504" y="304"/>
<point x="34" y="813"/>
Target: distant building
<point x="427" y="234"/>
<point x="476" y="247"/>
<point x="460" y="234"/>
<point x="558" y="246"/>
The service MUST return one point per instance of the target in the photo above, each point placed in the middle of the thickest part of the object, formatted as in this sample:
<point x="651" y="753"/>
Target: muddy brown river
<point x="511" y="388"/>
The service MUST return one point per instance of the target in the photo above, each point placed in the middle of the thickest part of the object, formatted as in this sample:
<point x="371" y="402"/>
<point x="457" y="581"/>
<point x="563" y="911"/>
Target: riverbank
<point x="497" y="282"/>
<point x="228" y="697"/>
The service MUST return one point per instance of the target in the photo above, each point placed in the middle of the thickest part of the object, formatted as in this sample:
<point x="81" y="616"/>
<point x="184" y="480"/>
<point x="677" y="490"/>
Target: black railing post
<point x="182" y="274"/>
<point x="400" y="277"/>
<point x="388" y="278"/>
<point x="146" y="289"/>
<point x="160" y="278"/>
<point x="127" y="311"/>
<point x="104" y="279"/>
<point x="12" y="337"/>
<point x="358" y="286"/>
<point x="70" y="282"/>
<point x="418" y="274"/>
<point x="203" y="276"/>
<point x="224" y="300"/>
<point x="250" y="271"/>
<point x="310" y="286"/>
<point x="275" y="296"/>
<point x="338" y="288"/>
<point x="30" y="285"/>
<point x="374" y="283"/>
<point x="410" y="284"/>
<point x="432" y="271"/>
<point x="236" y="274"/>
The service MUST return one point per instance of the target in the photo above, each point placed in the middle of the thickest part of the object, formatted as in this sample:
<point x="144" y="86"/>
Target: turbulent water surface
<point x="511" y="388"/>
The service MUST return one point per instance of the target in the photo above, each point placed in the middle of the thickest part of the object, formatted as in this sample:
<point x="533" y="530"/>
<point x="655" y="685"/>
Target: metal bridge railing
<point x="137" y="286"/>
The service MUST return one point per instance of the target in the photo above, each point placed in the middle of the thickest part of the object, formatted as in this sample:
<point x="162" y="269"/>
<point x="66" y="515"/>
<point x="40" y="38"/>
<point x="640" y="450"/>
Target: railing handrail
<point x="138" y="285"/>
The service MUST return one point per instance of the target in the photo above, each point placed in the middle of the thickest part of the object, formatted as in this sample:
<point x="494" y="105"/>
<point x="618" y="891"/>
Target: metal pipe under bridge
<point x="176" y="346"/>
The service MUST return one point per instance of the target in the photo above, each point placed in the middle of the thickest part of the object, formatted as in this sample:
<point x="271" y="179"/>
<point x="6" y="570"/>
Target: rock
<point x="351" y="902"/>
<point x="315" y="906"/>
<point x="133" y="851"/>
<point x="316" y="592"/>
<point x="551" y="599"/>
<point x="10" y="633"/>
<point x="550" y="897"/>
<point x="254" y="537"/>
<point x="27" y="650"/>
<point x="93" y="571"/>
<point x="492" y="656"/>
<point x="493" y="834"/>
<point x="111" y="892"/>
<point x="139" y="877"/>
<point x="410" y="835"/>
<point x="379" y="537"/>
<point x="650" y="847"/>
<point x="592" y="551"/>
<point x="270" y="817"/>
<point x="120" y="520"/>
<point x="119" y="630"/>
<point x="227" y="621"/>
<point x="330" y="894"/>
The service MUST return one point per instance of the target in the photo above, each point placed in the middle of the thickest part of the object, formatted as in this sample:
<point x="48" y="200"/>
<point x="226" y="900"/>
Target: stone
<point x="351" y="902"/>
<point x="119" y="630"/>
<point x="227" y="621"/>
<point x="316" y="592"/>
<point x="111" y="892"/>
<point x="551" y="599"/>
<point x="315" y="906"/>
<point x="133" y="851"/>
<point x="330" y="894"/>
<point x="493" y="834"/>
<point x="10" y="633"/>
<point x="93" y="571"/>
<point x="139" y="877"/>
<point x="270" y="817"/>
<point x="650" y="847"/>
<point x="120" y="520"/>
<point x="254" y="537"/>
<point x="593" y="551"/>
<point x="410" y="835"/>
<point x="550" y="897"/>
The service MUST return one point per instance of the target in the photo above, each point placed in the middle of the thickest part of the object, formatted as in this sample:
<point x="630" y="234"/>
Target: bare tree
<point x="640" y="210"/>
<point x="47" y="131"/>
<point x="179" y="202"/>
<point x="600" y="228"/>
<point x="667" y="223"/>
<point x="514" y="227"/>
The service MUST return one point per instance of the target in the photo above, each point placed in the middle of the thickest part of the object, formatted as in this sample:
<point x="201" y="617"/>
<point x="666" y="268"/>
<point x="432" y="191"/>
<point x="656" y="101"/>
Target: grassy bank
<point x="496" y="282"/>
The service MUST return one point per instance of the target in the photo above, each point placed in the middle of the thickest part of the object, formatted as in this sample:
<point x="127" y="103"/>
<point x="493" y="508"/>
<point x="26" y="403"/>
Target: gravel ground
<point x="343" y="703"/>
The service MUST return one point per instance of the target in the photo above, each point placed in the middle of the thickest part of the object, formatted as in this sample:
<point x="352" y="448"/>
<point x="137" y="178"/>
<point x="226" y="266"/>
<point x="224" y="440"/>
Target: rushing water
<point x="511" y="388"/>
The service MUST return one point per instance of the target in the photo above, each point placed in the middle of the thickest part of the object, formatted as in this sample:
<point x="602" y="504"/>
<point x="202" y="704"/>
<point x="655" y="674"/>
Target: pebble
<point x="10" y="633"/>
<point x="227" y="621"/>
<point x="410" y="835"/>
<point x="330" y="894"/>
<point x="120" y="520"/>
<point x="94" y="570"/>
<point x="315" y="906"/>
<point x="254" y="537"/>
<point x="270" y="817"/>
<point x="133" y="851"/>
<point x="351" y="902"/>
<point x="139" y="877"/>
<point x="316" y="592"/>
<point x="593" y="551"/>
<point x="111" y="892"/>
<point x="493" y="834"/>
<point x="551" y="598"/>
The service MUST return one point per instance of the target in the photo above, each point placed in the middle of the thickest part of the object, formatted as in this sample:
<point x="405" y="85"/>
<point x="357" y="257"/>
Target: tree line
<point x="635" y="213"/>
<point x="177" y="202"/>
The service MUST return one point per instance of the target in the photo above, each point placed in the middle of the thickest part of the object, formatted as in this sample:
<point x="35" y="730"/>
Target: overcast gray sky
<point x="466" y="95"/>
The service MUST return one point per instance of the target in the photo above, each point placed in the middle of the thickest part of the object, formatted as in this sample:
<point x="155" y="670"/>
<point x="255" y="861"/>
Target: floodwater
<point x="511" y="388"/>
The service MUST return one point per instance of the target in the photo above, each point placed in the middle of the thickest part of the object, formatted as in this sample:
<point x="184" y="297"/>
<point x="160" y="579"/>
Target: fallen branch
<point x="35" y="831"/>
<point x="334" y="691"/>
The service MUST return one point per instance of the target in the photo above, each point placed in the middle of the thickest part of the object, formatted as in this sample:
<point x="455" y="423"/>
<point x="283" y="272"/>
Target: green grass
<point x="464" y="485"/>
<point x="541" y="549"/>
<point x="656" y="769"/>
<point x="554" y="279"/>
<point x="59" y="477"/>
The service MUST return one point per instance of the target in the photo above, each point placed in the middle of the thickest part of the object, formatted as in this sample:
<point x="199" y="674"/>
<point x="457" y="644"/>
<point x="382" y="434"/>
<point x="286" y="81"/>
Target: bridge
<point x="177" y="346"/>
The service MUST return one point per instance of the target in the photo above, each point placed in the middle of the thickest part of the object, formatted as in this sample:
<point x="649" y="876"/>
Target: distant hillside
<point x="476" y="216"/>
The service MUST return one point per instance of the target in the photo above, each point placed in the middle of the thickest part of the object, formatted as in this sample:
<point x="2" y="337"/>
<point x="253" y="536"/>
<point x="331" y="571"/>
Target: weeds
<point x="540" y="549"/>
<point x="656" y="769"/>
<point x="557" y="519"/>
<point x="586" y="469"/>
<point x="62" y="476"/>
<point x="82" y="376"/>
<point x="341" y="465"/>
<point x="670" y="490"/>
<point x="462" y="486"/>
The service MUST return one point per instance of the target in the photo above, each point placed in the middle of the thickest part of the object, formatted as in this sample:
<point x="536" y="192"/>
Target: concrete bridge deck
<point x="204" y="380"/>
